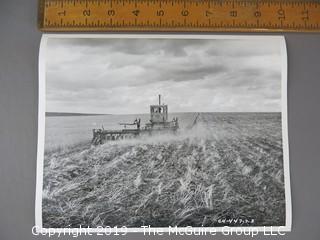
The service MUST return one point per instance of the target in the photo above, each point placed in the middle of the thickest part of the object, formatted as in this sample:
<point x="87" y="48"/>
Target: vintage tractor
<point x="158" y="123"/>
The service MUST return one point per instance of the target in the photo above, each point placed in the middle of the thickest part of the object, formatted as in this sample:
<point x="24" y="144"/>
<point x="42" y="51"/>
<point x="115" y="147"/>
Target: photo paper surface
<point x="162" y="130"/>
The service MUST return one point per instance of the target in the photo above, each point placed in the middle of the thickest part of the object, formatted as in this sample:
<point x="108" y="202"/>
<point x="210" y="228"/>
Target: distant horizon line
<point x="63" y="114"/>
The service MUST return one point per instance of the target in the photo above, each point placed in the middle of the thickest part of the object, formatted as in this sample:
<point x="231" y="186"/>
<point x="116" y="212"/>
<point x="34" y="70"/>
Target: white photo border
<point x="41" y="127"/>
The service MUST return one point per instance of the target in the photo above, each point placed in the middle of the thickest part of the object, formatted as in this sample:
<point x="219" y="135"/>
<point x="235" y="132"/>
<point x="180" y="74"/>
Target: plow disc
<point x="100" y="136"/>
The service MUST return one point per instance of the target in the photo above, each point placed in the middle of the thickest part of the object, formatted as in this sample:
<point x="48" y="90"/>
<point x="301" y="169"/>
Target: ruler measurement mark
<point x="184" y="15"/>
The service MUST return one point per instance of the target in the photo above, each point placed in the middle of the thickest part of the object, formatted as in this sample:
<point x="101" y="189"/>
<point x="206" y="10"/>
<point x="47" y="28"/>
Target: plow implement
<point x="100" y="136"/>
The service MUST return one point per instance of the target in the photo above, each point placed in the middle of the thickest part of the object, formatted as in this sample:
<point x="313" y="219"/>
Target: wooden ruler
<point x="179" y="15"/>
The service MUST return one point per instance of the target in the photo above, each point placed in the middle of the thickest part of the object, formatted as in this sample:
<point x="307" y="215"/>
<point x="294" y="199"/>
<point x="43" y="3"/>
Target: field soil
<point x="227" y="167"/>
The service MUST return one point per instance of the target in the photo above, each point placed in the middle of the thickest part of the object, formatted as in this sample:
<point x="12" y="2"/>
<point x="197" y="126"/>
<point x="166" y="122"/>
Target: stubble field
<point x="227" y="167"/>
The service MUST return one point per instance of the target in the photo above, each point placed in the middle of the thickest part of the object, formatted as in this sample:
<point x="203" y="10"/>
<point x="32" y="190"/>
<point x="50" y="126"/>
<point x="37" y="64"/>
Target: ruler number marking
<point x="160" y="13"/>
<point x="136" y="12"/>
<point x="281" y="14"/>
<point x="184" y="12"/>
<point x="62" y="14"/>
<point x="305" y="15"/>
<point x="111" y="12"/>
<point x="86" y="12"/>
<point x="233" y="13"/>
<point x="208" y="13"/>
<point x="257" y="14"/>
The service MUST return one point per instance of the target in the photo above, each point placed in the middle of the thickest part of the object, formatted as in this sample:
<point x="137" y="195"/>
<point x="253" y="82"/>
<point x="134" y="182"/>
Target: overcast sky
<point x="124" y="76"/>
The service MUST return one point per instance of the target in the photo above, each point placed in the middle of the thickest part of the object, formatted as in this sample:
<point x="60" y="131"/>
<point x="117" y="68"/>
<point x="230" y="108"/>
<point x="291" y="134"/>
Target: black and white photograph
<point x="162" y="130"/>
